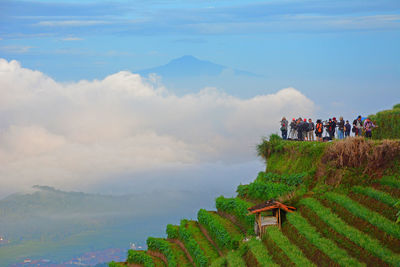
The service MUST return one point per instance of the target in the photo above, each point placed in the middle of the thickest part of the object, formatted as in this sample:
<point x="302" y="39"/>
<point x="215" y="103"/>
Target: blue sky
<point x="342" y="58"/>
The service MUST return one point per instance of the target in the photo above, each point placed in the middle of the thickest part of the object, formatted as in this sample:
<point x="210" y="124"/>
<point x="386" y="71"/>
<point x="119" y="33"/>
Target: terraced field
<point x="350" y="224"/>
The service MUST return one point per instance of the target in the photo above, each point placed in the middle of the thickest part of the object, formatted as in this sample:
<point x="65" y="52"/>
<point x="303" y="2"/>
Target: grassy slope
<point x="356" y="176"/>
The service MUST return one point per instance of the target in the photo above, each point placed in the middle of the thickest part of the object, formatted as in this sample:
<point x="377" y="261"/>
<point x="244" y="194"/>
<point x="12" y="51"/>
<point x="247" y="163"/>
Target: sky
<point x="74" y="112"/>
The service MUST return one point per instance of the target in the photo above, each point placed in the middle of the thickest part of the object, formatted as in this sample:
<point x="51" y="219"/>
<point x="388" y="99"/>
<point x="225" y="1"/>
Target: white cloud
<point x="71" y="38"/>
<point x="15" y="49"/>
<point x="71" y="23"/>
<point x="68" y="134"/>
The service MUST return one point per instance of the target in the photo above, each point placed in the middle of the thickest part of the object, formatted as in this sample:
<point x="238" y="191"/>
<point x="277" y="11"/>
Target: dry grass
<point x="360" y="152"/>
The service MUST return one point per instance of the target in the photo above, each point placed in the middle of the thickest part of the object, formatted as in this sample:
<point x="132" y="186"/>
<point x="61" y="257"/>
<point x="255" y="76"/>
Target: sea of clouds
<point x="87" y="132"/>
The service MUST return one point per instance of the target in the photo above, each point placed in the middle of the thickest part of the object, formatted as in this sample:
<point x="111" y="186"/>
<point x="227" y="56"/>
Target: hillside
<point x="345" y="193"/>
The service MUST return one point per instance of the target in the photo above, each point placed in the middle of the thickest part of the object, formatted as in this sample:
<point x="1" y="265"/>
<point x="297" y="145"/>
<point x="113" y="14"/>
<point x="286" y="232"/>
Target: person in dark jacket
<point x="300" y="127"/>
<point x="329" y="128"/>
<point x="357" y="126"/>
<point x="334" y="123"/>
<point x="340" y="131"/>
<point x="347" y="128"/>
<point x="293" y="129"/>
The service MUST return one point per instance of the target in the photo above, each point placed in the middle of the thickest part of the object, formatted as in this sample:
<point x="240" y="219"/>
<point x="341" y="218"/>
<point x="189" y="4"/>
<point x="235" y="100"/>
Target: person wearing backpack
<point x="319" y="129"/>
<point x="368" y="126"/>
<point x="347" y="128"/>
<point x="357" y="126"/>
<point x="293" y="129"/>
<point x="284" y="128"/>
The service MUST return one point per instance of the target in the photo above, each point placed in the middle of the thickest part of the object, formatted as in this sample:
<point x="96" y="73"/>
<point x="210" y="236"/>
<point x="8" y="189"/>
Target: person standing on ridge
<point x="305" y="129"/>
<point x="293" y="129"/>
<point x="357" y="126"/>
<point x="310" y="130"/>
<point x="340" y="128"/>
<point x="319" y="129"/>
<point x="368" y="126"/>
<point x="300" y="129"/>
<point x="347" y="128"/>
<point x="284" y="128"/>
<point x="334" y="123"/>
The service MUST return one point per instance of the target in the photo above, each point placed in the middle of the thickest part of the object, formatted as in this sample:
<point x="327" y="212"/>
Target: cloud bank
<point x="69" y="134"/>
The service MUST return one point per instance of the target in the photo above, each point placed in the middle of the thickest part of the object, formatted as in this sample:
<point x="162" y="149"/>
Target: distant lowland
<point x="51" y="224"/>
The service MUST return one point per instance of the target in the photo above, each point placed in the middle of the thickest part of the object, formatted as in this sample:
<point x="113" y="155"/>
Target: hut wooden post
<point x="279" y="218"/>
<point x="259" y="223"/>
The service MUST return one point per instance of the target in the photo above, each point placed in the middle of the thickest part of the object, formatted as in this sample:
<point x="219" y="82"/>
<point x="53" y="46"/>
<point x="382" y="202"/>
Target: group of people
<point x="304" y="130"/>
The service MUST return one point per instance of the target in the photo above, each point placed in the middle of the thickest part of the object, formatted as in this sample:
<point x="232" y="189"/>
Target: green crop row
<point x="376" y="194"/>
<point x="215" y="226"/>
<point x="205" y="245"/>
<point x="289" y="179"/>
<point x="325" y="245"/>
<point x="365" y="214"/>
<point x="234" y="258"/>
<point x="292" y="251"/>
<point x="162" y="246"/>
<point x="263" y="190"/>
<point x="390" y="181"/>
<point x="140" y="257"/>
<point x="363" y="240"/>
<point x="259" y="251"/>
<point x="115" y="264"/>
<point x="237" y="207"/>
<point x="192" y="246"/>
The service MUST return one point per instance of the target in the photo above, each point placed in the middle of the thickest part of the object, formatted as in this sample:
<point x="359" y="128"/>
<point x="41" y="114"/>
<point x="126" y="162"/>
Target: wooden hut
<point x="275" y="208"/>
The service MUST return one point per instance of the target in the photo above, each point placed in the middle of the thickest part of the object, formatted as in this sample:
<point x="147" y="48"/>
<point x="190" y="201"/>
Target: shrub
<point x="259" y="251"/>
<point x="237" y="207"/>
<point x="264" y="190"/>
<point x="162" y="246"/>
<point x="363" y="240"/>
<point x="325" y="245"/>
<point x="292" y="251"/>
<point x="140" y="257"/>
<point x="365" y="214"/>
<point x="388" y="122"/>
<point x="172" y="231"/>
<point x="376" y="194"/>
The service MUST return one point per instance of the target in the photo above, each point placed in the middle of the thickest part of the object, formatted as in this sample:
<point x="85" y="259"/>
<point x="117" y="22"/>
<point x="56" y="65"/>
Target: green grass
<point x="376" y="194"/>
<point x="225" y="234"/>
<point x="325" y="245"/>
<point x="390" y="181"/>
<point x="361" y="239"/>
<point x="292" y="251"/>
<point x="238" y="208"/>
<point x="234" y="258"/>
<point x="362" y="212"/>
<point x="260" y="252"/>
<point x="220" y="262"/>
